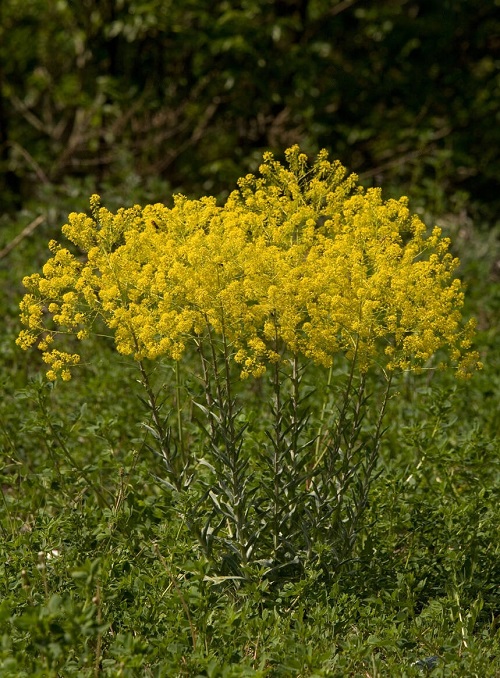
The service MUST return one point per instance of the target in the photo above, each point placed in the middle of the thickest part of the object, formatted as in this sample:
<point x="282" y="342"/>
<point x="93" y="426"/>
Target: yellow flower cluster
<point x="300" y="259"/>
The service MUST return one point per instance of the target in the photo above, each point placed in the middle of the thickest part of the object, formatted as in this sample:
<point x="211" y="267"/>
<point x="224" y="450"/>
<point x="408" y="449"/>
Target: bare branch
<point x="28" y="115"/>
<point x="345" y="4"/>
<point x="31" y="161"/>
<point x="28" y="230"/>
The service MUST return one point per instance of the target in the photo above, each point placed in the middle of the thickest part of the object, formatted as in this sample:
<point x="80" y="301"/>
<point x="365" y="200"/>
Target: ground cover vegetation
<point x="249" y="491"/>
<point x="119" y="555"/>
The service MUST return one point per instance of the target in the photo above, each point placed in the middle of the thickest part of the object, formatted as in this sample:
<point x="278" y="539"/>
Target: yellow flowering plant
<point x="301" y="269"/>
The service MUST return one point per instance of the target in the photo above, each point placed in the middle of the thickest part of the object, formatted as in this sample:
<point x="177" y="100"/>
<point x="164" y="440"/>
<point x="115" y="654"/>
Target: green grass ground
<point x="100" y="578"/>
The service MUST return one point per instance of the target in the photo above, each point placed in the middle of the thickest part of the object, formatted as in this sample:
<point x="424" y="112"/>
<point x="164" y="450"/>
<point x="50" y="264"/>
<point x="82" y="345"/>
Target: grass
<point x="99" y="576"/>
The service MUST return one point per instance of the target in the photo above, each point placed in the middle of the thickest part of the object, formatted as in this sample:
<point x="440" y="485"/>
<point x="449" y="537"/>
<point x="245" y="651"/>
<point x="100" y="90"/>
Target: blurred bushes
<point x="405" y="92"/>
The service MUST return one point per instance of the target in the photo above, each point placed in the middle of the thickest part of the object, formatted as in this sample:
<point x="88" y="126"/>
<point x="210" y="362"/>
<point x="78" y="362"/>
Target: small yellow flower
<point x="300" y="261"/>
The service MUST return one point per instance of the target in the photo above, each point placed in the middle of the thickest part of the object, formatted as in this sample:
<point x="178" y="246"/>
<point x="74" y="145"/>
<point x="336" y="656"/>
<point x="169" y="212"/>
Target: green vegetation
<point x="103" y="572"/>
<point x="187" y="96"/>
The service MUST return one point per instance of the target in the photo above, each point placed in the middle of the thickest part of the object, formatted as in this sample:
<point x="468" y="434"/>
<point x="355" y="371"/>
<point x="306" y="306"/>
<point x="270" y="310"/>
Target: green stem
<point x="280" y="499"/>
<point x="322" y="417"/>
<point x="159" y="427"/>
<point x="337" y="435"/>
<point x="206" y="385"/>
<point x="229" y="438"/>
<point x="62" y="445"/>
<point x="179" y="406"/>
<point x="365" y="483"/>
<point x="277" y="446"/>
<point x="295" y="409"/>
<point x="234" y="454"/>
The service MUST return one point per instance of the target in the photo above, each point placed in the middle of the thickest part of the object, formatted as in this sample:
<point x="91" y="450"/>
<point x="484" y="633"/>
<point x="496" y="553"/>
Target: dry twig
<point x="28" y="230"/>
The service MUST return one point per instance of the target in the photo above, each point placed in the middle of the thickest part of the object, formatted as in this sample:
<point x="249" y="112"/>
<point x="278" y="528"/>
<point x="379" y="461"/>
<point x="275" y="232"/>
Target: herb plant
<point x="302" y="282"/>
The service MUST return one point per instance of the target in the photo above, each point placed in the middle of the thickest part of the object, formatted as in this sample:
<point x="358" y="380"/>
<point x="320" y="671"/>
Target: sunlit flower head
<point x="300" y="260"/>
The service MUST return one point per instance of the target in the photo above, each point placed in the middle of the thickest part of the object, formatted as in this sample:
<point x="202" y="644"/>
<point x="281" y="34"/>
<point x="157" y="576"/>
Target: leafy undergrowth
<point x="101" y="578"/>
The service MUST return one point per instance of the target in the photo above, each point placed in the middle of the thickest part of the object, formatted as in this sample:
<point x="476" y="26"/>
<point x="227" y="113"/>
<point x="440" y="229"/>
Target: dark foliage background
<point x="187" y="95"/>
